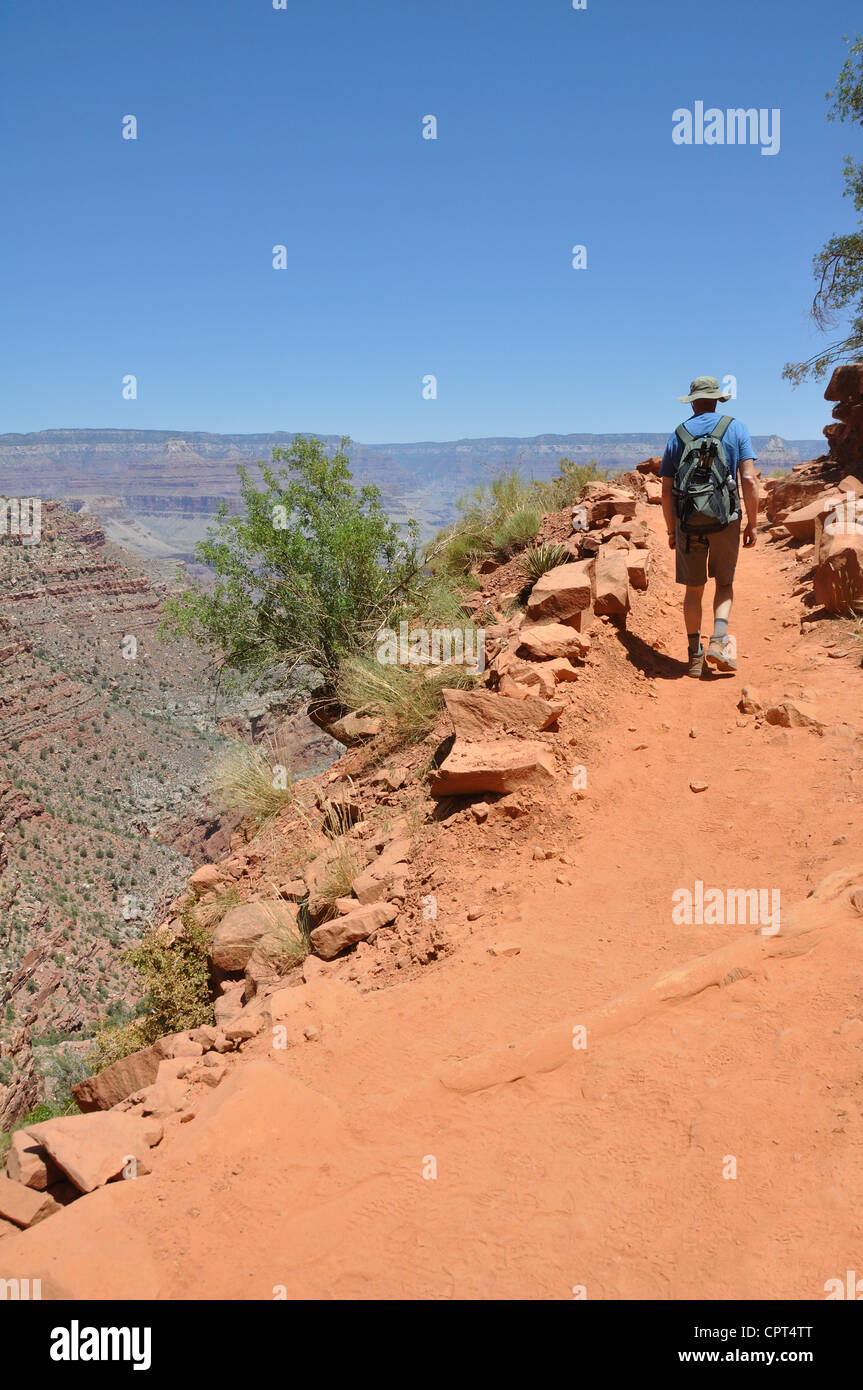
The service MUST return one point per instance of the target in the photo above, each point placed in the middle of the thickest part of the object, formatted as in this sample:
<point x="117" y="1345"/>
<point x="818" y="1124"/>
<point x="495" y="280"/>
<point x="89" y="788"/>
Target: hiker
<point x="703" y="461"/>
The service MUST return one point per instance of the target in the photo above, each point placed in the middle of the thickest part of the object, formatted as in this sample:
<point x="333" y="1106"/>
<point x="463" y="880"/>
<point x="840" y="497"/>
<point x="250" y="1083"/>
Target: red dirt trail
<point x="346" y="1168"/>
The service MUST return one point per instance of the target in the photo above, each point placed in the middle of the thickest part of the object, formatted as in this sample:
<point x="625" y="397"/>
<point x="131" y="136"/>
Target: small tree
<point x="305" y="575"/>
<point x="838" y="266"/>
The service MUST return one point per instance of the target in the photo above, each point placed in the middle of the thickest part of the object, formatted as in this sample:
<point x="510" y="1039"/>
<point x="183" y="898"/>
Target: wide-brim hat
<point x="704" y="388"/>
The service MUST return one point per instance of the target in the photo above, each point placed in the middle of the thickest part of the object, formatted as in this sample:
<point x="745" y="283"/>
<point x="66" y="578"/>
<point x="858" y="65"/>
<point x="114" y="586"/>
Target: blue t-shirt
<point x="738" y="445"/>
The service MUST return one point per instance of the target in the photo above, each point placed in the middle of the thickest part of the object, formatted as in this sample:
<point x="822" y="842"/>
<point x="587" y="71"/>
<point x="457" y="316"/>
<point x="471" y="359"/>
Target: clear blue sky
<point x="406" y="256"/>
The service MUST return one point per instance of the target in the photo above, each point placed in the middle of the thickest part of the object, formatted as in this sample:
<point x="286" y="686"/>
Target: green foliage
<point x="305" y="574"/>
<point x="63" y="1071"/>
<point x="543" y="558"/>
<point x="502" y="517"/>
<point x="517" y="531"/>
<point x="43" y="1111"/>
<point x="565" y="489"/>
<point x="838" y="266"/>
<point x="175" y="973"/>
<point x="482" y="513"/>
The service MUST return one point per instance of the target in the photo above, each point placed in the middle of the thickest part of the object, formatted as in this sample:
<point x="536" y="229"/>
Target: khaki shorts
<point x="713" y="556"/>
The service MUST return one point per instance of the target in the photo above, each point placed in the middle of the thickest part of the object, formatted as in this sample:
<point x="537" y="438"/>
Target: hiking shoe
<point x="718" y="655"/>
<point x="696" y="664"/>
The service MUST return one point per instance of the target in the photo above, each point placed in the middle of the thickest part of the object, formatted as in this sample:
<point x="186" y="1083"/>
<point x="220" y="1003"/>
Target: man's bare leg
<point x="692" y="600"/>
<point x="719" y="654"/>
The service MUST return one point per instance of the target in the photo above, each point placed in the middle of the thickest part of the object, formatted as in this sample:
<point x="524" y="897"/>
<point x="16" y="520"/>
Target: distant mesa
<point x="157" y="491"/>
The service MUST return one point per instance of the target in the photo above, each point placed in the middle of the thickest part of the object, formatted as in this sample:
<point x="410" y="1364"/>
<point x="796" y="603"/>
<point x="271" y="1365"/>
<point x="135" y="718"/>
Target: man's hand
<point x="672" y="540"/>
<point x="750" y="535"/>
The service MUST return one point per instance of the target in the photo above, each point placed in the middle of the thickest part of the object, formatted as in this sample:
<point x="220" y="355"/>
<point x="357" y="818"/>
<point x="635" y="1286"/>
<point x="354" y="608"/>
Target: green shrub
<point x="517" y="531"/>
<point x="306" y="573"/>
<point x="565" y="489"/>
<point x="175" y="973"/>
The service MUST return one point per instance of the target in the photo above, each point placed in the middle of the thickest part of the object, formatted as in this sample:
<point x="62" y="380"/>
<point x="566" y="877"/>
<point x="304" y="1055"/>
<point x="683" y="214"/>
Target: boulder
<point x="242" y="928"/>
<point x="794" y="490"/>
<point x="652" y="465"/>
<point x="612" y="583"/>
<point x="653" y="492"/>
<point x="499" y="767"/>
<point x="28" y="1163"/>
<point x="247" y="1024"/>
<point x="392" y="865"/>
<point x="92" y="1149"/>
<point x="121" y="1079"/>
<point x="839" y="575"/>
<point x="552" y="640"/>
<point x="846" y="383"/>
<point x="632" y="529"/>
<point x="750" y="701"/>
<point x="228" y="1005"/>
<point x="354" y="728"/>
<point x="480" y="714"/>
<point x="638" y="568"/>
<point x="561" y="669"/>
<point x="24" y="1206"/>
<point x="336" y="935"/>
<point x="208" y="876"/>
<point x="794" y="714"/>
<point x="607" y="502"/>
<point x="183" y="1046"/>
<point x="851" y="483"/>
<point x="164" y="1097"/>
<point x="800" y="523"/>
<point x="561" y="592"/>
<point x="530" y="679"/>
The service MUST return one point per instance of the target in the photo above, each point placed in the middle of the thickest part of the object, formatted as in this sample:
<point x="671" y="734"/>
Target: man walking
<point x="706" y="460"/>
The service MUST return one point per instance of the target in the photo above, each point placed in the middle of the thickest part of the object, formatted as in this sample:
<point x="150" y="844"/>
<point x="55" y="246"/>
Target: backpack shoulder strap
<point x="721" y="426"/>
<point x="683" y="435"/>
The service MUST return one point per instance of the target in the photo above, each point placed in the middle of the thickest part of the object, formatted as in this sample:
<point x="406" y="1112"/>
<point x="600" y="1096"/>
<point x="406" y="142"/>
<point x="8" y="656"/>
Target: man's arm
<point x="668" y="509"/>
<point x="749" y="488"/>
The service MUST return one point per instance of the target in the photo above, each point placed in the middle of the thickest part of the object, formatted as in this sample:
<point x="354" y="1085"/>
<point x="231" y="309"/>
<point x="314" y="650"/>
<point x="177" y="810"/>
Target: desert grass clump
<point x="406" y="698"/>
<point x="285" y="944"/>
<point x="483" y="516"/>
<point x="210" y="913"/>
<point x="542" y="558"/>
<point x="344" y="863"/>
<point x="254" y="780"/>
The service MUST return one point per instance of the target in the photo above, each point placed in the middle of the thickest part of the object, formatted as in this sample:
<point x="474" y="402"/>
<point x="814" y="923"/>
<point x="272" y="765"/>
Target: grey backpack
<point x="705" y="495"/>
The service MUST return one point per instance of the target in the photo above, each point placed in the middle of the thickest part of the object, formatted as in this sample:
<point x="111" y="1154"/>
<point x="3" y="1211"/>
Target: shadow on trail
<point x="652" y="662"/>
